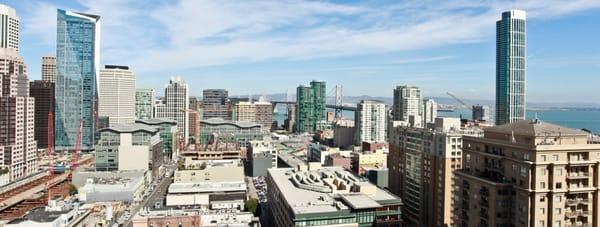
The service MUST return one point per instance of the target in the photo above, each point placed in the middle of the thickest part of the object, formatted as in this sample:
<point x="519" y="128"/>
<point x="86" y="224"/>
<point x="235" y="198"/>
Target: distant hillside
<point x="352" y="100"/>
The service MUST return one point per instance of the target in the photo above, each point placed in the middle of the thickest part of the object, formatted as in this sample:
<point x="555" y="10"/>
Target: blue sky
<point x="264" y="47"/>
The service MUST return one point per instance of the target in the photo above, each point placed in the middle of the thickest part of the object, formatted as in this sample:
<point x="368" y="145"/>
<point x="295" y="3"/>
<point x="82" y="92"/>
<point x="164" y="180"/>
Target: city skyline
<point x="285" y="47"/>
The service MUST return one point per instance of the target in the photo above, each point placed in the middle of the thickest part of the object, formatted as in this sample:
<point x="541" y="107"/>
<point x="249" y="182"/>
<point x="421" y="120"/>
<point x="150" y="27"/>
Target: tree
<point x="72" y="189"/>
<point x="252" y="206"/>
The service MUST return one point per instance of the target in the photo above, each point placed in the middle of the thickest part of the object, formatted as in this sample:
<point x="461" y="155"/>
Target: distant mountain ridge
<point x="352" y="100"/>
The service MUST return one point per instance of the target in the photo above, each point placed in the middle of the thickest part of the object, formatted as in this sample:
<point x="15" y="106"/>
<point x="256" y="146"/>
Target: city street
<point x="156" y="195"/>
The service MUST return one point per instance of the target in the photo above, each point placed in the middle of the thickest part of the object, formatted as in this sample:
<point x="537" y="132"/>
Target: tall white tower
<point x="9" y="28"/>
<point x="175" y="106"/>
<point x="116" y="94"/>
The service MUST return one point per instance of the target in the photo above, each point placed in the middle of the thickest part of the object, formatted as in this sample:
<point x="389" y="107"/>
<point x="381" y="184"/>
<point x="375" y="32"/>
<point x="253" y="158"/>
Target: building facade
<point x="311" y="109"/>
<point x="169" y="135"/>
<point x="9" y="25"/>
<point x="481" y="113"/>
<point x="18" y="147"/>
<point x="371" y="121"/>
<point x="216" y="104"/>
<point x="328" y="196"/>
<point x="429" y="111"/>
<point x="77" y="66"/>
<point x="421" y="164"/>
<point x="144" y="103"/>
<point x="510" y="67"/>
<point x="408" y="101"/>
<point x="43" y="92"/>
<point x="260" y="112"/>
<point x="49" y="68"/>
<point x="219" y="130"/>
<point x="529" y="173"/>
<point x="116" y="94"/>
<point x="175" y="105"/>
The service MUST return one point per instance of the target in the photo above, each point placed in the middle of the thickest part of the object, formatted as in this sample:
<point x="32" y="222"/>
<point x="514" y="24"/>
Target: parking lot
<point x="261" y="188"/>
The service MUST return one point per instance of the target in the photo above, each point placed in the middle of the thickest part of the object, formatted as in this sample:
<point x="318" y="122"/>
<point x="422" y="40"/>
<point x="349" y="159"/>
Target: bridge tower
<point x="339" y="101"/>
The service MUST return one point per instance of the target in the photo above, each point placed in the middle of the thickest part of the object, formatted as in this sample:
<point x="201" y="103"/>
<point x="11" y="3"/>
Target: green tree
<point x="72" y="189"/>
<point x="252" y="206"/>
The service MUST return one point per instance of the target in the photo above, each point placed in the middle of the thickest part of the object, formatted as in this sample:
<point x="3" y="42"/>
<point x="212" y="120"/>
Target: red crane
<point x="75" y="155"/>
<point x="50" y="153"/>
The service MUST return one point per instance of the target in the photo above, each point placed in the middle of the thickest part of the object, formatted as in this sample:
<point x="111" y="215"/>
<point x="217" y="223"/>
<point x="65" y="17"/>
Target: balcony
<point x="578" y="175"/>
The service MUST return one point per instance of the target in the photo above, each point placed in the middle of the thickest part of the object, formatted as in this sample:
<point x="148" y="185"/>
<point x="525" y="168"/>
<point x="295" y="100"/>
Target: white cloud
<point x="195" y="33"/>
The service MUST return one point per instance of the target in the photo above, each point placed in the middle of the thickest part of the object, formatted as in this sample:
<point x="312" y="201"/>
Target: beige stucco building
<point x="529" y="173"/>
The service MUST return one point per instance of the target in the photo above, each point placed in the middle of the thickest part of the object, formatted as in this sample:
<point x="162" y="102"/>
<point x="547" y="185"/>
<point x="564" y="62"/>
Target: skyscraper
<point x="480" y="113"/>
<point x="77" y="66"/>
<point x="43" y="92"/>
<point x="510" y="67"/>
<point x="311" y="107"/>
<point x="116" y="95"/>
<point x="175" y="105"/>
<point x="144" y="103"/>
<point x="430" y="111"/>
<point x="260" y="112"/>
<point x="9" y="28"/>
<point x="215" y="104"/>
<point x="407" y="102"/>
<point x="370" y="121"/>
<point x="18" y="148"/>
<point x="49" y="68"/>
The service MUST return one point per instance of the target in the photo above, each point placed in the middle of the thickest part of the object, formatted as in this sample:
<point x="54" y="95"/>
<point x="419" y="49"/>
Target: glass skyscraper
<point x="77" y="69"/>
<point x="510" y="67"/>
<point x="311" y="106"/>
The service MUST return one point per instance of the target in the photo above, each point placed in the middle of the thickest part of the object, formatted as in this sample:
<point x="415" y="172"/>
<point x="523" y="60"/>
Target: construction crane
<point x="50" y="154"/>
<point x="75" y="155"/>
<point x="458" y="100"/>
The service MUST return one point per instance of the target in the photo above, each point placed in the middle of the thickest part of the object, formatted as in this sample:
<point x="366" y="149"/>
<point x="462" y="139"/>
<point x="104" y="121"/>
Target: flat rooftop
<point x="328" y="189"/>
<point x="206" y="187"/>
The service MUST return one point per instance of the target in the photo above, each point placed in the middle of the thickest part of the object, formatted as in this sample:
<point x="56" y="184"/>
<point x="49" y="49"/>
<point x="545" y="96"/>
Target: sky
<point x="368" y="47"/>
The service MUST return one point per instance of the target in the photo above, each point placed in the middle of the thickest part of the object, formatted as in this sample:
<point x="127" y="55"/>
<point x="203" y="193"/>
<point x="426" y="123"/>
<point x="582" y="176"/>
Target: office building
<point x="260" y="112"/>
<point x="116" y="94"/>
<point x="429" y="111"/>
<point x="528" y="173"/>
<point x="310" y="101"/>
<point x="9" y="25"/>
<point x="219" y="130"/>
<point x="362" y="161"/>
<point x="408" y="101"/>
<point x="76" y="89"/>
<point x="175" y="105"/>
<point x="481" y="113"/>
<point x="371" y="121"/>
<point x="169" y="135"/>
<point x="510" y="67"/>
<point x="144" y="103"/>
<point x="343" y="133"/>
<point x="328" y="196"/>
<point x="216" y="104"/>
<point x="18" y="148"/>
<point x="290" y="121"/>
<point x="421" y="164"/>
<point x="43" y="92"/>
<point x="49" y="68"/>
<point x="128" y="147"/>
<point x="194" y="126"/>
<point x="262" y="155"/>
<point x="112" y="189"/>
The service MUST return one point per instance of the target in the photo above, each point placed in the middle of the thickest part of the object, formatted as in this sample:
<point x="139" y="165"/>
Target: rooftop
<point x="328" y="189"/>
<point x="199" y="187"/>
<point x="221" y="121"/>
<point x="130" y="128"/>
<point x="534" y="127"/>
<point x="156" y="121"/>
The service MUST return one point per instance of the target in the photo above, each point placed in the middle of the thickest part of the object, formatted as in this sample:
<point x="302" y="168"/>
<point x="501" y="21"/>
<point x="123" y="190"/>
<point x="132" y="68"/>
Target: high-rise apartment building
<point x="18" y="148"/>
<point x="510" y="67"/>
<point x="260" y="112"/>
<point x="370" y="121"/>
<point x="77" y="69"/>
<point x="116" y="94"/>
<point x="43" y="92"/>
<point x="420" y="163"/>
<point x="429" y="111"/>
<point x="216" y="104"/>
<point x="175" y="105"/>
<point x="311" y="107"/>
<point x="9" y="28"/>
<point x="408" y="101"/>
<point x="49" y="68"/>
<point x="481" y="113"/>
<point x="528" y="173"/>
<point x="144" y="103"/>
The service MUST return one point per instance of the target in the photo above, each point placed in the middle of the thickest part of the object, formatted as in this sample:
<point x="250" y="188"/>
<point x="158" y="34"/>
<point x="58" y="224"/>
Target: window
<point x="543" y="158"/>
<point x="542" y="185"/>
<point x="557" y="224"/>
<point x="543" y="172"/>
<point x="558" y="185"/>
<point x="559" y="172"/>
<point x="542" y="210"/>
<point x="559" y="198"/>
<point x="555" y="157"/>
<point x="542" y="199"/>
<point x="523" y="171"/>
<point x="557" y="211"/>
